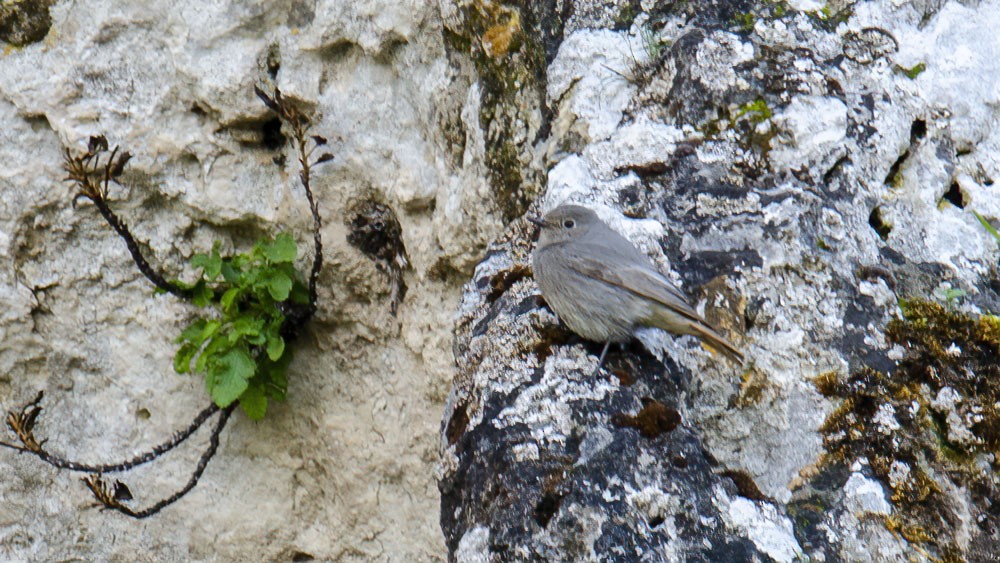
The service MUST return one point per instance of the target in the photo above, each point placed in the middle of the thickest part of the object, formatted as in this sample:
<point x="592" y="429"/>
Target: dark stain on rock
<point x="547" y="508"/>
<point x="644" y="170"/>
<point x="376" y="232"/>
<point x="23" y="22"/>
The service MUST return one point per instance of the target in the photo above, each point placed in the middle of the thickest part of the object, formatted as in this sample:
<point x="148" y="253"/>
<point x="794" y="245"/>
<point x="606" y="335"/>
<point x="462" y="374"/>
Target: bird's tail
<point x="715" y="342"/>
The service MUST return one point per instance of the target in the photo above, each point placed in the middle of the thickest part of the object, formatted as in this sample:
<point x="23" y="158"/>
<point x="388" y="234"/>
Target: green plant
<point x="651" y="43"/>
<point x="240" y="348"/>
<point x="913" y="72"/>
<point x="756" y="111"/>
<point x="255" y="303"/>
<point x="989" y="228"/>
<point x="744" y="21"/>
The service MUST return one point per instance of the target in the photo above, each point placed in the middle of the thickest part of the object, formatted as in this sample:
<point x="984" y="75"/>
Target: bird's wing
<point x="640" y="279"/>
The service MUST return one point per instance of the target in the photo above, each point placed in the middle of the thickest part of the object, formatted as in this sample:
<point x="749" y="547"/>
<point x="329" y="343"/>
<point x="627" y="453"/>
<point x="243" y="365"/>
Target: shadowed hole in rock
<point x="457" y="424"/>
<point x="655" y="521"/>
<point x="918" y="130"/>
<point x="836" y="168"/>
<point x="881" y="226"/>
<point x="272" y="61"/>
<point x="375" y="231"/>
<point x="892" y="178"/>
<point x="301" y="557"/>
<point x="955" y="196"/>
<point x="745" y="485"/>
<point x="547" y="508"/>
<point x="270" y="134"/>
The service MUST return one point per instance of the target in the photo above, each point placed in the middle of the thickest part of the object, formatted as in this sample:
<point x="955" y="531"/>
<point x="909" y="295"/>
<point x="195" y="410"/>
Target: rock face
<point x="798" y="169"/>
<point x="344" y="469"/>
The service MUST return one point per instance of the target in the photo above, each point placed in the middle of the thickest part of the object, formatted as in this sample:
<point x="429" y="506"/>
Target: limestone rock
<point x="796" y="169"/>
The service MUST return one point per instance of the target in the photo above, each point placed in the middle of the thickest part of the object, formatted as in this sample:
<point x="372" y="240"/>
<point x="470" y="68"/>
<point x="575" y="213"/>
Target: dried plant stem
<point x="93" y="180"/>
<point x="22" y="425"/>
<point x="305" y="145"/>
<point x="106" y="495"/>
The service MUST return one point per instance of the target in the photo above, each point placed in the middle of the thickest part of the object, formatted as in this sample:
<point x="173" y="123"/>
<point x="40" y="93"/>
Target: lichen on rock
<point x="25" y="21"/>
<point x="780" y="163"/>
<point x="929" y="429"/>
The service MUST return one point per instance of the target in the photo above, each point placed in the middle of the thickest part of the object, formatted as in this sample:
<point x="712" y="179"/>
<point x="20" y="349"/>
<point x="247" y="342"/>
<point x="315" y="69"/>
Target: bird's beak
<point x="537" y="220"/>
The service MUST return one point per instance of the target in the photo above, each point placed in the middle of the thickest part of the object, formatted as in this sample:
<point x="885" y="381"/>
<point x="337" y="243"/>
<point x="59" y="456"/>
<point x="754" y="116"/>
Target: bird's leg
<point x="600" y="361"/>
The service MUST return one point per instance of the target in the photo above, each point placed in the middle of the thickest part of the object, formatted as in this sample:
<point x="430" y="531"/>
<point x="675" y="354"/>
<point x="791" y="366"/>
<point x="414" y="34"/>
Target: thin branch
<point x="111" y="496"/>
<point x="93" y="180"/>
<point x="22" y="424"/>
<point x="299" y="124"/>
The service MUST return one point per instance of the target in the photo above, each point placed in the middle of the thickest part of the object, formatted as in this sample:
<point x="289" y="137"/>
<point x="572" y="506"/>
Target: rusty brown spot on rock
<point x="653" y="419"/>
<point x="745" y="485"/>
<point x="505" y="279"/>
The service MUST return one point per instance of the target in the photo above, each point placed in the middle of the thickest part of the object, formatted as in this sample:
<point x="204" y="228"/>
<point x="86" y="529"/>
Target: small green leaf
<point x="279" y="285"/>
<point x="230" y="273"/>
<point x="245" y="326"/>
<point x="253" y="401"/>
<point x="275" y="346"/>
<point x="183" y="357"/>
<point x="203" y="295"/>
<point x="275" y="373"/>
<point x="230" y="297"/>
<point x="216" y="347"/>
<point x="193" y="332"/>
<point x="229" y="376"/>
<point x="281" y="250"/>
<point x="989" y="228"/>
<point x="211" y="264"/>
<point x="199" y="261"/>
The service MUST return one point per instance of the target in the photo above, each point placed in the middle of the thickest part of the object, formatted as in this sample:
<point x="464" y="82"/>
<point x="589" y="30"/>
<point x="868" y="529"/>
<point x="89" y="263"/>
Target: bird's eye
<point x="569" y="223"/>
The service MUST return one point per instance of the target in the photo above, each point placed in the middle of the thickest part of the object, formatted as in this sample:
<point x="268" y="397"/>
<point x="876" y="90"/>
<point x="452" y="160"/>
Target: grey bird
<point x="604" y="288"/>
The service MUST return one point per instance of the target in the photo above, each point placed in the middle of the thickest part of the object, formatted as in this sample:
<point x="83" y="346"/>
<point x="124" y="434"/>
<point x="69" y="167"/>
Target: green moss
<point x="507" y="52"/>
<point x="744" y="21"/>
<point x="756" y="111"/>
<point x="23" y="22"/>
<point x="913" y="72"/>
<point x="626" y="15"/>
<point x="943" y="349"/>
<point x="827" y="18"/>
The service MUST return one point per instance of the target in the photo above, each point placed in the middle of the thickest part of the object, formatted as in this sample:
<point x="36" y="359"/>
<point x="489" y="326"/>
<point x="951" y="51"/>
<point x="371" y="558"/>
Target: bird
<point x="604" y="288"/>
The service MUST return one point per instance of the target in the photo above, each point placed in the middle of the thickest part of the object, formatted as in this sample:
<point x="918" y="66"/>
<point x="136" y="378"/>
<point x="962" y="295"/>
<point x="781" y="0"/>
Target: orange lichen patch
<point x="927" y="427"/>
<point x="497" y="40"/>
